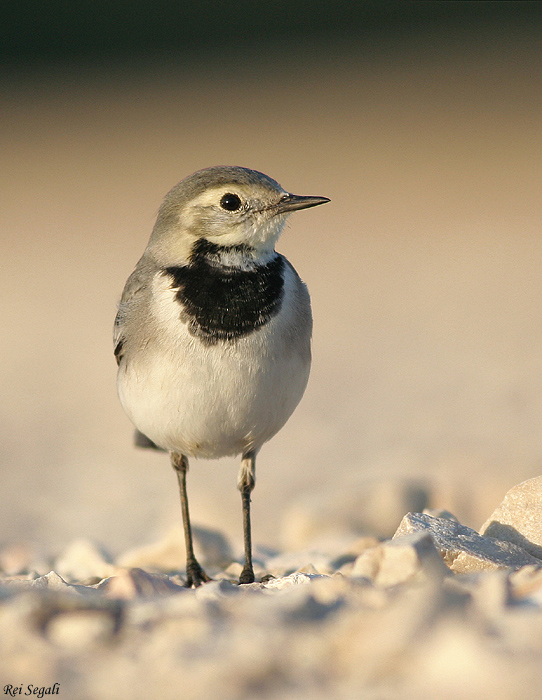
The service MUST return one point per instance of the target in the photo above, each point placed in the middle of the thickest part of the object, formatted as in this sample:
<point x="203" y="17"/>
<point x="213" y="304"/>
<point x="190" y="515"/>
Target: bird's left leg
<point x="245" y="484"/>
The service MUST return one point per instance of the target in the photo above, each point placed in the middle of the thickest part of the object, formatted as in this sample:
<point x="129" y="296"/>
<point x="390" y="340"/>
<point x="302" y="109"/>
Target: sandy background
<point x="425" y="275"/>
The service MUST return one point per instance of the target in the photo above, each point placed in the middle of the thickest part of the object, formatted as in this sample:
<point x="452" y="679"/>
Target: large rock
<point x="518" y="518"/>
<point x="462" y="548"/>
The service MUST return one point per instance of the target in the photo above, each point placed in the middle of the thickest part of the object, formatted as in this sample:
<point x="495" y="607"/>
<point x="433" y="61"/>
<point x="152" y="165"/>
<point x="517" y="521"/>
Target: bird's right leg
<point x="195" y="575"/>
<point x="245" y="484"/>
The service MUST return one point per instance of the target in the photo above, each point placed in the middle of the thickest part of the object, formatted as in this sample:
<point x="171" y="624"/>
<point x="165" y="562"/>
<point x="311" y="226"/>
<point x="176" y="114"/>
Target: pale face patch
<point x="255" y="223"/>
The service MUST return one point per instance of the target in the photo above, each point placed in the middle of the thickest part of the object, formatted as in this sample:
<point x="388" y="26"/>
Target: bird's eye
<point x="230" y="202"/>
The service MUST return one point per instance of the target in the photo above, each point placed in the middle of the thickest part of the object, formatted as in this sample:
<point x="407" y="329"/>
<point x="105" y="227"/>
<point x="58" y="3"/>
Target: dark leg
<point x="195" y="575"/>
<point x="245" y="484"/>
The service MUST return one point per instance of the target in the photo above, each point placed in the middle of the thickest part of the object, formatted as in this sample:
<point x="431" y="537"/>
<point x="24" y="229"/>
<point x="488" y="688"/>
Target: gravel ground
<point x="434" y="612"/>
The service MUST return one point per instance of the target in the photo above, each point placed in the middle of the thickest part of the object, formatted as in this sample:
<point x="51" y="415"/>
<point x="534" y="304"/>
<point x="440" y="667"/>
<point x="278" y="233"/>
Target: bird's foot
<point x="195" y="575"/>
<point x="247" y="575"/>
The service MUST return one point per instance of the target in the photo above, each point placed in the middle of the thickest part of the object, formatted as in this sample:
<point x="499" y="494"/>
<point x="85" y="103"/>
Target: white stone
<point x="133" y="583"/>
<point x="518" y="518"/>
<point x="49" y="582"/>
<point x="402" y="559"/>
<point x="53" y="582"/>
<point x="296" y="579"/>
<point x="214" y="590"/>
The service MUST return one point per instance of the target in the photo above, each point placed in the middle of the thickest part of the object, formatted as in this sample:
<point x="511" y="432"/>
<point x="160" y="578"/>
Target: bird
<point x="213" y="331"/>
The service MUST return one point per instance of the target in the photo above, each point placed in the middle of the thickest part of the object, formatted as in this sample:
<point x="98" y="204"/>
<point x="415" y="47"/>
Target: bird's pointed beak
<point x="293" y="202"/>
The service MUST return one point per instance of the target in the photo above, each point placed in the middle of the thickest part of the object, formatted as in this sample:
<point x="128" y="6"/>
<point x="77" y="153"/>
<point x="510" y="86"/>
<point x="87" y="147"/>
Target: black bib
<point x="222" y="302"/>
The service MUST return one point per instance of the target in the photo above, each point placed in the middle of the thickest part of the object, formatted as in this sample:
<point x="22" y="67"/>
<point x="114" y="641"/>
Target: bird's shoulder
<point x="297" y="307"/>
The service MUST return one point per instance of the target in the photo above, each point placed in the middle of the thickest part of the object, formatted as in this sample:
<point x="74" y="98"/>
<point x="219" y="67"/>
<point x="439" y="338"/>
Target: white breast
<point x="221" y="399"/>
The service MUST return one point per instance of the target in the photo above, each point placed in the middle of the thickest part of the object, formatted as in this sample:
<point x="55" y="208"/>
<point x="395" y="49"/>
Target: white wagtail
<point x="213" y="331"/>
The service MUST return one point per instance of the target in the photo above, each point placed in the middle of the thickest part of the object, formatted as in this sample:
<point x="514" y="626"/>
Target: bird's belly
<point x="223" y="401"/>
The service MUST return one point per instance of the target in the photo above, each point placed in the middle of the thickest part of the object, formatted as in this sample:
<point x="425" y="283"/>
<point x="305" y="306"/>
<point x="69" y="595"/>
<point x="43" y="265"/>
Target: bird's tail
<point x="141" y="440"/>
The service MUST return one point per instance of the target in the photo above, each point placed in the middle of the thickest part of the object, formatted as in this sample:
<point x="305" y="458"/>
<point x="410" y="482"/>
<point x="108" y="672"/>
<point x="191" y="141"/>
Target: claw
<point x="195" y="575"/>
<point x="247" y="576"/>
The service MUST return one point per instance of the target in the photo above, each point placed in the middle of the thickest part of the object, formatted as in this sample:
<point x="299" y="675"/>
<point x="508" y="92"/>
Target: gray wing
<point x="135" y="288"/>
<point x="133" y="297"/>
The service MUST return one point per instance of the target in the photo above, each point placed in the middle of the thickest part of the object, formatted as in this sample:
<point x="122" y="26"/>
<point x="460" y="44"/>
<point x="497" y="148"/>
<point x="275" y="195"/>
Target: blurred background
<point x="422" y="121"/>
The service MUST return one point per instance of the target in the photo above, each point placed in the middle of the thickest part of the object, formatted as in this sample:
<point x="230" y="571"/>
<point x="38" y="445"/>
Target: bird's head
<point x="227" y="206"/>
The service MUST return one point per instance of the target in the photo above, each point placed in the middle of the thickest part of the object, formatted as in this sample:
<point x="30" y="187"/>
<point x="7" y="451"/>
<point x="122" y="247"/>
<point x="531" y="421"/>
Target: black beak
<point x="293" y="202"/>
